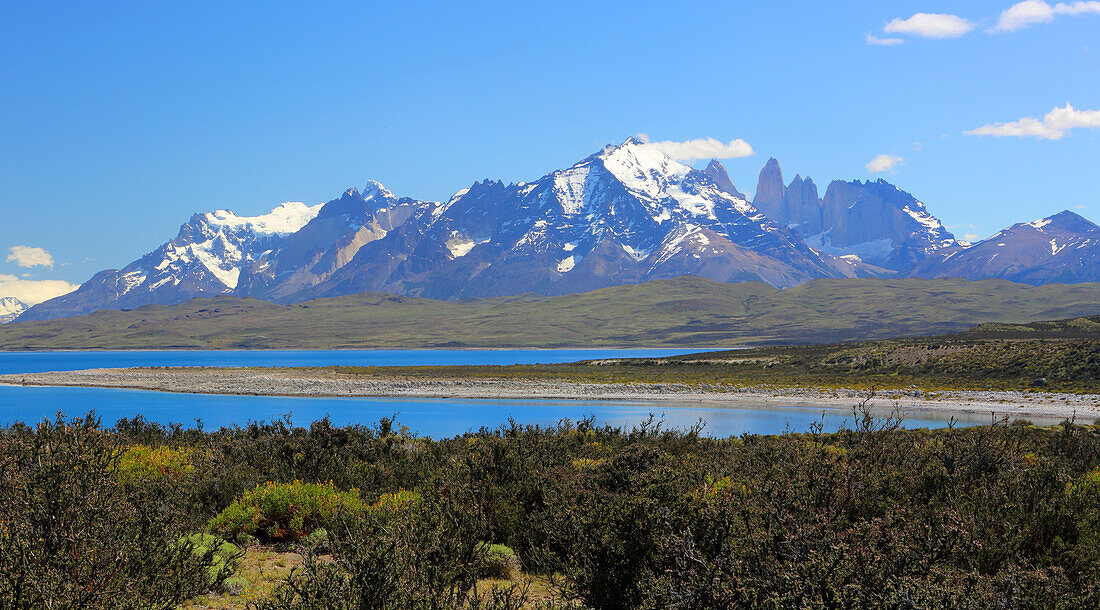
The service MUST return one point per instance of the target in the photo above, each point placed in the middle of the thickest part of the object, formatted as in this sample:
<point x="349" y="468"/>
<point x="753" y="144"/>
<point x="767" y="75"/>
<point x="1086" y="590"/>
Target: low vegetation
<point x="686" y="311"/>
<point x="1059" y="356"/>
<point x="571" y="516"/>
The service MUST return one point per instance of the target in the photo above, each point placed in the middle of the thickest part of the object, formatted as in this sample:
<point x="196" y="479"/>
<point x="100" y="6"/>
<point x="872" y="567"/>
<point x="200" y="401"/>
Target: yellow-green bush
<point x="145" y="463"/>
<point x="285" y="512"/>
<point x="221" y="558"/>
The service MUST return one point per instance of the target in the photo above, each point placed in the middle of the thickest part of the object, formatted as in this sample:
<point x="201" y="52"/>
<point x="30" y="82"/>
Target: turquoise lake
<point x="428" y="417"/>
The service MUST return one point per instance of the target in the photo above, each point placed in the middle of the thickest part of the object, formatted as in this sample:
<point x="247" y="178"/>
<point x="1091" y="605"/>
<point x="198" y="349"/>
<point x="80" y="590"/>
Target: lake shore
<point x="320" y="383"/>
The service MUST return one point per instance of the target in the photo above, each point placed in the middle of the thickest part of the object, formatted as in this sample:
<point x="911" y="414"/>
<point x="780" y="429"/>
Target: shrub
<point x="144" y="463"/>
<point x="73" y="536"/>
<point x="404" y="551"/>
<point x="285" y="512"/>
<point x="498" y="561"/>
<point x="225" y="558"/>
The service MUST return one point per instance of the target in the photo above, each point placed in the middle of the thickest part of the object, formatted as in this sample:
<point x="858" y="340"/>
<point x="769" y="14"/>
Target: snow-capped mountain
<point x="625" y="214"/>
<point x="1061" y="248"/>
<point x="875" y="221"/>
<point x="327" y="242"/>
<point x="207" y="258"/>
<point x="10" y="309"/>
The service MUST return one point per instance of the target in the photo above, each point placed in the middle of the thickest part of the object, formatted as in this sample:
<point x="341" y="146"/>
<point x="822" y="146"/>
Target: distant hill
<point x="686" y="311"/>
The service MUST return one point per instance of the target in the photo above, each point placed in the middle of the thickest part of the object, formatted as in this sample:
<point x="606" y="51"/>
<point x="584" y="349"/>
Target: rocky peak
<point x="717" y="173"/>
<point x="770" y="190"/>
<point x="376" y="192"/>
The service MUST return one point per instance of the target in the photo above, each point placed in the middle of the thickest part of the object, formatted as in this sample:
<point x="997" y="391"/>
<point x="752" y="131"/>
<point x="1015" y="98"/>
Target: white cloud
<point x="1029" y="12"/>
<point x="27" y="256"/>
<point x="1023" y="14"/>
<point x="971" y="237"/>
<point x="883" y="163"/>
<point x="1079" y="206"/>
<point x="930" y="25"/>
<point x="1053" y="126"/>
<point x="872" y="39"/>
<point x="702" y="148"/>
<point x="32" y="292"/>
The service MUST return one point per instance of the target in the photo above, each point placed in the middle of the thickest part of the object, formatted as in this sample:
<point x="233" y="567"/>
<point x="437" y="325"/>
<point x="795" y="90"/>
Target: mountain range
<point x="624" y="215"/>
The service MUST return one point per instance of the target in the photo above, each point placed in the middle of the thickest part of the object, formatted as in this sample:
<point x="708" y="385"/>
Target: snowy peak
<point x="287" y="218"/>
<point x="375" y="192"/>
<point x="10" y="309"/>
<point x="1062" y="222"/>
<point x="641" y="167"/>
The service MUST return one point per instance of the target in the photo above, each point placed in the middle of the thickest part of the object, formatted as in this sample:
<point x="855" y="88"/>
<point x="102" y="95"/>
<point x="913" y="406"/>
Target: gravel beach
<point x="294" y="382"/>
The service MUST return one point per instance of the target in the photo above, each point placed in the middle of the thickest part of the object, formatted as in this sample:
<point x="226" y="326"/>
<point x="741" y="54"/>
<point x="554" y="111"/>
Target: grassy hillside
<point x="1062" y="356"/>
<point x="687" y="311"/>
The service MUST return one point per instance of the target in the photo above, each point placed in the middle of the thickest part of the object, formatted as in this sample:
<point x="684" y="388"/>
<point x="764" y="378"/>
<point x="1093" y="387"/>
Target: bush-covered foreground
<point x="142" y="516"/>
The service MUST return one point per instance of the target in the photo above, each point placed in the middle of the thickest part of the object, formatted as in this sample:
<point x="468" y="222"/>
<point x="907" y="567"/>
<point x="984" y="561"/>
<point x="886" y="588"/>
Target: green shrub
<point x="498" y="561"/>
<point x="285" y="512"/>
<point x="73" y="536"/>
<point x="224" y="558"/>
<point x="404" y="551"/>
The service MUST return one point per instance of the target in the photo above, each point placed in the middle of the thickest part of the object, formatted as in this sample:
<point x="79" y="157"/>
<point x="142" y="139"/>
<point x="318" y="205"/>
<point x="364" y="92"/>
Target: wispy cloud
<point x="1056" y="124"/>
<point x="883" y="163"/>
<point x="33" y="292"/>
<point x="28" y="256"/>
<point x="1030" y="12"/>
<point x="701" y="148"/>
<point x="930" y="25"/>
<point x="886" y="42"/>
<point x="971" y="237"/>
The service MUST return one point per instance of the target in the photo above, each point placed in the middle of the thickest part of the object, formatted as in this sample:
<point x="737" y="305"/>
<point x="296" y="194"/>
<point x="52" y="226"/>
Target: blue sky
<point x="120" y="120"/>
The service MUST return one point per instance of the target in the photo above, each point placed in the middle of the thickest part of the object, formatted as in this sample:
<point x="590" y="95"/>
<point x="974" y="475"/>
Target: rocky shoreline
<point x="319" y="383"/>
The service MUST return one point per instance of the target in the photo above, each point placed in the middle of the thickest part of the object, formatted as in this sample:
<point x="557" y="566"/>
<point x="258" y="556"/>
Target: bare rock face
<point x="875" y="223"/>
<point x="802" y="206"/>
<point x="770" y="191"/>
<point x="717" y="172"/>
<point x="882" y="224"/>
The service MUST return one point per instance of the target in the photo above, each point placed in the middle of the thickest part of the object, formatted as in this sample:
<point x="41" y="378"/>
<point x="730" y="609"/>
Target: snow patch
<point x="573" y="188"/>
<point x="876" y="249"/>
<point x="132" y="280"/>
<point x="283" y="220"/>
<point x="566" y="264"/>
<point x="461" y="247"/>
<point x="923" y="218"/>
<point x="637" y="255"/>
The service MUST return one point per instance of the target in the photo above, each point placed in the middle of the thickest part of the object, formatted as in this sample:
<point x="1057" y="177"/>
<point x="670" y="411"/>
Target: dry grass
<point x="261" y="571"/>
